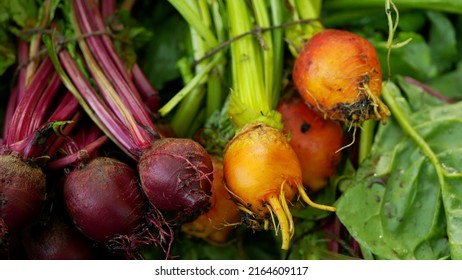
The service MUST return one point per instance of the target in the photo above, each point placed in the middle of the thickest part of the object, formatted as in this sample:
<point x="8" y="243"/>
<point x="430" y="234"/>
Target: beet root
<point x="22" y="192"/>
<point x="176" y="175"/>
<point x="58" y="239"/>
<point x="103" y="199"/>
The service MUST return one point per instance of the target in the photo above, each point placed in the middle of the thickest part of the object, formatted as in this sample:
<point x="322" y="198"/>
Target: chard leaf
<point x="398" y="206"/>
<point x="23" y="12"/>
<point x="449" y="83"/>
<point x="442" y="41"/>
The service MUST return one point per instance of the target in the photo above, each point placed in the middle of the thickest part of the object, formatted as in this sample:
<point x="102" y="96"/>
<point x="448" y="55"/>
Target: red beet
<point x="120" y="112"/>
<point x="58" y="239"/>
<point x="103" y="199"/>
<point x="22" y="192"/>
<point x="176" y="175"/>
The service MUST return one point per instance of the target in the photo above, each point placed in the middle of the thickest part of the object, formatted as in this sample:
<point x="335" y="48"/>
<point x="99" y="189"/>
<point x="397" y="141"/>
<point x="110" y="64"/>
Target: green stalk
<point x="249" y="85"/>
<point x="187" y="111"/>
<point x="249" y="100"/>
<point x="298" y="34"/>
<point x="214" y="93"/>
<point x="366" y="139"/>
<point x="196" y="81"/>
<point x="278" y="48"/>
<point x="193" y="18"/>
<point x="197" y="123"/>
<point x="262" y="18"/>
<point x="407" y="127"/>
<point x="310" y="10"/>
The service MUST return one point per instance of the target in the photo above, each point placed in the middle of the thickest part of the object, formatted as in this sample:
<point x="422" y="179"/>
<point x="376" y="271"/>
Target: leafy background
<point x="392" y="203"/>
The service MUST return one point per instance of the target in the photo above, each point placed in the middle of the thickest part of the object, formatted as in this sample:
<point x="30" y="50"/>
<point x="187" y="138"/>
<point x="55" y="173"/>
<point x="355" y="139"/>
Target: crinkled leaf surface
<point x="396" y="206"/>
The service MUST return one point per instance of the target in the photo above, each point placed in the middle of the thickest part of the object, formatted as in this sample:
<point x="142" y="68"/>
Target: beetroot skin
<point x="176" y="175"/>
<point x="22" y="192"/>
<point x="58" y="240"/>
<point x="103" y="198"/>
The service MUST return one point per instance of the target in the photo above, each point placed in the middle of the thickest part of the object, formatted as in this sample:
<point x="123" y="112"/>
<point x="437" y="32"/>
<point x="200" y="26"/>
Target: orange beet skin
<point x="338" y="73"/>
<point x="315" y="140"/>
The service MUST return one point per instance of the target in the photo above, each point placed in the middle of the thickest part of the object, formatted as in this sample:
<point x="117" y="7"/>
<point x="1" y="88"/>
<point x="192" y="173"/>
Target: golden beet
<point x="338" y="73"/>
<point x="263" y="173"/>
<point x="315" y="140"/>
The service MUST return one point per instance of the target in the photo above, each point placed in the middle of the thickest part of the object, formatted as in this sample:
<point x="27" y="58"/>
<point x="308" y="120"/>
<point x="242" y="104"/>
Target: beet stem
<point x="20" y="126"/>
<point x="103" y="50"/>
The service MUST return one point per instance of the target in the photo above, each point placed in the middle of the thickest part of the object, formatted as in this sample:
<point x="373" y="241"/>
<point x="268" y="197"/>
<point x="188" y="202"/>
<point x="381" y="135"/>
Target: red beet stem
<point x="90" y="21"/>
<point x="148" y="93"/>
<point x="102" y="115"/>
<point x="21" y="122"/>
<point x="108" y="8"/>
<point x="23" y="57"/>
<point x="189" y="186"/>
<point x="18" y="90"/>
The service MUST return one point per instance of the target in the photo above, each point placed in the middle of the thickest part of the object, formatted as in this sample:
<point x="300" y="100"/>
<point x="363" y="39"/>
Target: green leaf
<point x="247" y="244"/>
<point x="442" y="41"/>
<point x="450" y="83"/>
<point x="396" y="206"/>
<point x="23" y="12"/>
<point x="161" y="54"/>
<point x="7" y="51"/>
<point x="411" y="21"/>
<point x="450" y="6"/>
<point x="418" y="98"/>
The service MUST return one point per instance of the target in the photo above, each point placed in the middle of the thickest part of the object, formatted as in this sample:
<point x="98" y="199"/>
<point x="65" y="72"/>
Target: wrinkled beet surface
<point x="22" y="192"/>
<point x="176" y="175"/>
<point x="104" y="199"/>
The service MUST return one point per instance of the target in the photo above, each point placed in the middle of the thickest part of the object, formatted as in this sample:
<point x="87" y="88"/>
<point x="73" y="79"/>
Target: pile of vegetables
<point x="217" y="129"/>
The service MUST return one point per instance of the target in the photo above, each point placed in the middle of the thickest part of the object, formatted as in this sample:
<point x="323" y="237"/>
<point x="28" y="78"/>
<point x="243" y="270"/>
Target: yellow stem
<point x="285" y="206"/>
<point x="301" y="191"/>
<point x="282" y="219"/>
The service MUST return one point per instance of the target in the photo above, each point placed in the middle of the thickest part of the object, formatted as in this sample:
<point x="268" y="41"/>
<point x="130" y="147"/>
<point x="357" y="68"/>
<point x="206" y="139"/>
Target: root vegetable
<point x="58" y="239"/>
<point x="315" y="140"/>
<point x="176" y="175"/>
<point x="216" y="225"/>
<point x="118" y="110"/>
<point x="338" y="73"/>
<point x="22" y="192"/>
<point x="263" y="173"/>
<point x="103" y="199"/>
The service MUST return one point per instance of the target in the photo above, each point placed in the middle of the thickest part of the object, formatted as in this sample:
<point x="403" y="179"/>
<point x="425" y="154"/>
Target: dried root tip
<point x="304" y="196"/>
<point x="381" y="111"/>
<point x="283" y="220"/>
